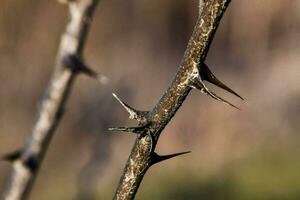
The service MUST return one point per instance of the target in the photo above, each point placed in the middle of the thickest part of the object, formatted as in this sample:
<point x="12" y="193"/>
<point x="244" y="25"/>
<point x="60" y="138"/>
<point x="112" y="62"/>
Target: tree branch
<point x="68" y="64"/>
<point x="190" y="75"/>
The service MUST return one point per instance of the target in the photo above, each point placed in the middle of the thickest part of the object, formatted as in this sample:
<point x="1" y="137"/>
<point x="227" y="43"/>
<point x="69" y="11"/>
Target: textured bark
<point x="27" y="161"/>
<point x="188" y="77"/>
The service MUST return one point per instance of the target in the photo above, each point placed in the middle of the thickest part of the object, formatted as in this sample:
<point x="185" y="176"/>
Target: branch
<point x="68" y="64"/>
<point x="190" y="75"/>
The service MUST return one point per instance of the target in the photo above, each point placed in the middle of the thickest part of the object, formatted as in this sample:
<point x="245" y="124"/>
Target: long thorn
<point x="208" y="76"/>
<point x="159" y="158"/>
<point x="133" y="113"/>
<point x="198" y="84"/>
<point x="218" y="98"/>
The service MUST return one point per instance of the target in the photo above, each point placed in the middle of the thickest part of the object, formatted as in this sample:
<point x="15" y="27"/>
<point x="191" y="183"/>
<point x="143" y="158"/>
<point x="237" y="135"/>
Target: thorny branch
<point x="191" y="75"/>
<point x="27" y="160"/>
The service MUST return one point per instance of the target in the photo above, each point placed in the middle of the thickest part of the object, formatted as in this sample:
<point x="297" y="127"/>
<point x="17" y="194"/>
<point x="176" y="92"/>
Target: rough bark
<point x="191" y="74"/>
<point x="27" y="161"/>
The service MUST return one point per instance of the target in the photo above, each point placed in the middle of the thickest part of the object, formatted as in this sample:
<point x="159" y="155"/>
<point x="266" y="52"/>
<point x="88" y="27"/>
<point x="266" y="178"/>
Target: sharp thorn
<point x="198" y="84"/>
<point x="208" y="76"/>
<point x="218" y="98"/>
<point x="159" y="158"/>
<point x="11" y="157"/>
<point x="133" y="113"/>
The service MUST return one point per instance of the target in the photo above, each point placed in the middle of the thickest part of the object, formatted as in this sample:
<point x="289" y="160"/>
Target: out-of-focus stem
<point x="27" y="164"/>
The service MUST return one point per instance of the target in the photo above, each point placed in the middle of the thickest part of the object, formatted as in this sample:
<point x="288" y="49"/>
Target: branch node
<point x="155" y="158"/>
<point x="140" y="116"/>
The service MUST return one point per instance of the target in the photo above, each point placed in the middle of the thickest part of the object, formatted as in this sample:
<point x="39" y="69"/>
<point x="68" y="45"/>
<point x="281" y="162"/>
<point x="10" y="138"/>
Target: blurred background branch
<point x="68" y="64"/>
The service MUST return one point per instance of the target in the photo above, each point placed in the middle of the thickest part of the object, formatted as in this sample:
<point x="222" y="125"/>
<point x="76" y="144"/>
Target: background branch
<point x="142" y="154"/>
<point x="68" y="63"/>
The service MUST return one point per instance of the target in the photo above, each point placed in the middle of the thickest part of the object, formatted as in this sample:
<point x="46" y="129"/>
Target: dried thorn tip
<point x="207" y="75"/>
<point x="158" y="158"/>
<point x="133" y="113"/>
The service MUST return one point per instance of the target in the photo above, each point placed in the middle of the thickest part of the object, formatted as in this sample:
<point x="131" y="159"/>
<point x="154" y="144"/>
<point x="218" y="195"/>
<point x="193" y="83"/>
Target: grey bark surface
<point x="27" y="161"/>
<point x="191" y="74"/>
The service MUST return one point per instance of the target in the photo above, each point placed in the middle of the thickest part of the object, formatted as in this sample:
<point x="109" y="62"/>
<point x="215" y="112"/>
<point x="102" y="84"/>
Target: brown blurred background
<point x="138" y="44"/>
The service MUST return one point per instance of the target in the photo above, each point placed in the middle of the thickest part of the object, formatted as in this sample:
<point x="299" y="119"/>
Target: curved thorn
<point x="218" y="98"/>
<point x="133" y="113"/>
<point x="208" y="76"/>
<point x="202" y="87"/>
<point x="159" y="158"/>
<point x="11" y="157"/>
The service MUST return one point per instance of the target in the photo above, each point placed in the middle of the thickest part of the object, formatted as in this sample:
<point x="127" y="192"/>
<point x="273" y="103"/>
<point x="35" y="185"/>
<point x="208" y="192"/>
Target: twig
<point x="27" y="161"/>
<point x="191" y="74"/>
